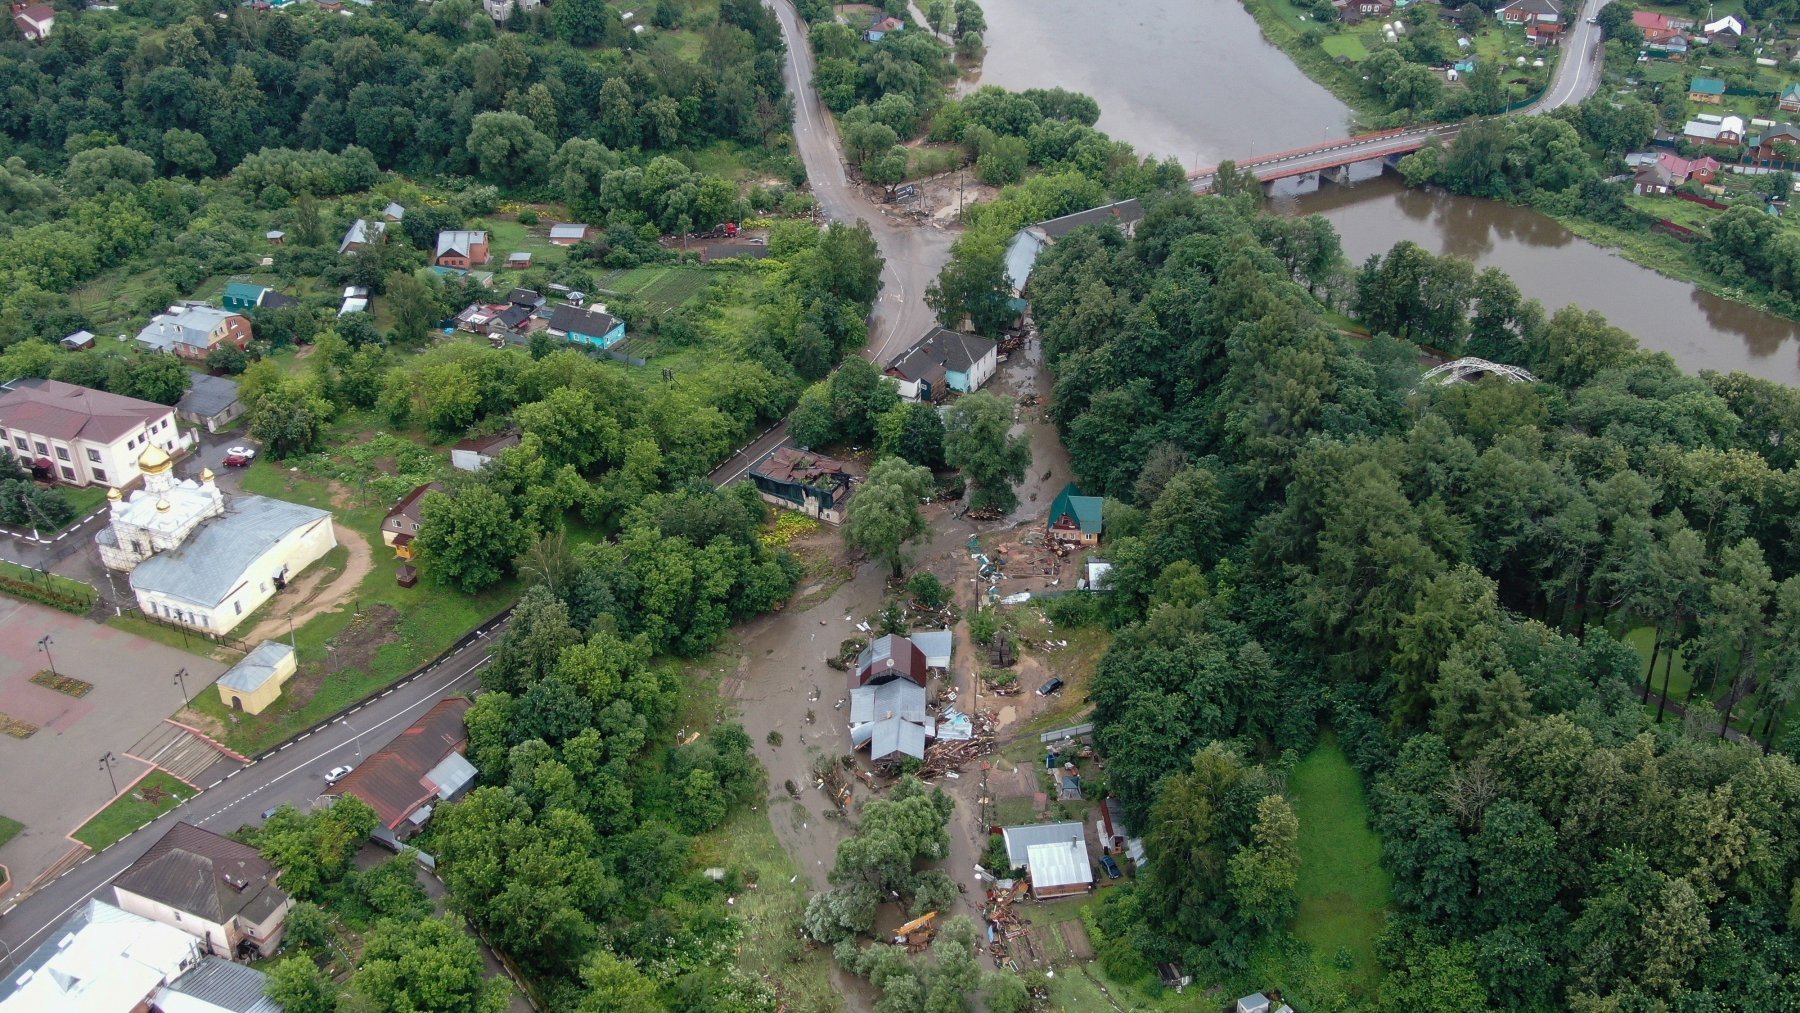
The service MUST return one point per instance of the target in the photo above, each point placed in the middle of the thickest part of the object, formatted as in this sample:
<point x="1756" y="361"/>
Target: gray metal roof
<point x="1125" y="212"/>
<point x="937" y="645"/>
<point x="207" y="396"/>
<point x="206" y="568"/>
<point x="898" y="698"/>
<point x="362" y="231"/>
<point x="452" y="774"/>
<point x="1064" y="863"/>
<point x="258" y="667"/>
<point x="1021" y="257"/>
<point x="1020" y="839"/>
<point x="896" y="736"/>
<point x="222" y="984"/>
<point x="461" y="241"/>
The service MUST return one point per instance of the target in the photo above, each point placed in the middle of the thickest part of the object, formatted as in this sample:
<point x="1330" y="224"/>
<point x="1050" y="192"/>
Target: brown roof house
<point x="887" y="700"/>
<point x="208" y="886"/>
<point x="888" y="658"/>
<point x="34" y="21"/>
<point x="799" y="480"/>
<point x="79" y="435"/>
<point x="401" y="525"/>
<point x="473" y="454"/>
<point x="421" y="767"/>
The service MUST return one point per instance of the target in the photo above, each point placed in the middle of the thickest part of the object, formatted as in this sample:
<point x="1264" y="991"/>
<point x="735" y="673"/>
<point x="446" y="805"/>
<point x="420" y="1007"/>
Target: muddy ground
<point x="781" y="682"/>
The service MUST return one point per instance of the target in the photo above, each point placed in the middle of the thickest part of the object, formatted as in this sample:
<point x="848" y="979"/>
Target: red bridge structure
<point x="1350" y="160"/>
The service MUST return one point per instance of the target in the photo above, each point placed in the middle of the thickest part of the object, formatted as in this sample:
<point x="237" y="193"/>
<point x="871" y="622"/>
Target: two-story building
<point x="462" y="249"/>
<point x="1022" y="252"/>
<point x="401" y="525"/>
<point x="211" y="887"/>
<point x="1525" y="12"/>
<point x="61" y="432"/>
<point x="34" y="21"/>
<point x="942" y="362"/>
<point x="193" y="331"/>
<point x="798" y="480"/>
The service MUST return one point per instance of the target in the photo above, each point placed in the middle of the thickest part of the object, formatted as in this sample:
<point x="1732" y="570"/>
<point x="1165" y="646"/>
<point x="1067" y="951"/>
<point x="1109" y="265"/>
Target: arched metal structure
<point x="1471" y="367"/>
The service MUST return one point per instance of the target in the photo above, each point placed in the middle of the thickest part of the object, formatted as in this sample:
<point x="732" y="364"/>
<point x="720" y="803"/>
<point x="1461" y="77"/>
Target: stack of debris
<point x="946" y="756"/>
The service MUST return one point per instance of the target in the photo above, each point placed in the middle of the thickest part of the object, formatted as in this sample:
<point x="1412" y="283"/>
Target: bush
<point x="927" y="590"/>
<point x="983" y="625"/>
<point x="528" y="218"/>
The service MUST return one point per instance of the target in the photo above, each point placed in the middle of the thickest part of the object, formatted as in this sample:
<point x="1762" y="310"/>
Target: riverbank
<point x="1279" y="22"/>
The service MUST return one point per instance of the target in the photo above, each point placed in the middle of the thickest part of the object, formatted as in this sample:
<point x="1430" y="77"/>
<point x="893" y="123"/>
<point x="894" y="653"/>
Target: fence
<point x="1705" y="202"/>
<point x="1680" y="232"/>
<point x="47" y="588"/>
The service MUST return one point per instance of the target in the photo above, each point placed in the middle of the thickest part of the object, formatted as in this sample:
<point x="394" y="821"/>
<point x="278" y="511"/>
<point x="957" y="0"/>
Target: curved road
<point x="1576" y="76"/>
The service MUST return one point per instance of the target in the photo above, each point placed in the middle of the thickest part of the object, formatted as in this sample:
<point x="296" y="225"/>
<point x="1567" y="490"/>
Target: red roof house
<point x="413" y="771"/>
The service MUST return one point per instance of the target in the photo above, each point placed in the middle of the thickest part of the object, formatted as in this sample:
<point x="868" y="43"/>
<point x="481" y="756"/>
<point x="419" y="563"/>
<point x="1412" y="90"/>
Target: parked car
<point x="239" y="457"/>
<point x="269" y="812"/>
<point x="336" y="774"/>
<point x="1050" y="687"/>
<point x="1111" y="867"/>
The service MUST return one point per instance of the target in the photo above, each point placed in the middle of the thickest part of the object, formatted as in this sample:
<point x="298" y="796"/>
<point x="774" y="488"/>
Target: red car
<point x="239" y="457"/>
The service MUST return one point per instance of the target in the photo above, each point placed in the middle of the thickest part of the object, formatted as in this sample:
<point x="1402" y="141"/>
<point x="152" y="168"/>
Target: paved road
<point x="292" y="775"/>
<point x="1576" y="76"/>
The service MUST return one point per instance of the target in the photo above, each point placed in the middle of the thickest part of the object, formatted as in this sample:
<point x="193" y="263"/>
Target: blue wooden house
<point x="593" y="327"/>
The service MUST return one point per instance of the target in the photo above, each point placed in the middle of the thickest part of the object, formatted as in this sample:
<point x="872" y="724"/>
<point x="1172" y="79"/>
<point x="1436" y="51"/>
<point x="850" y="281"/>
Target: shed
<point x="78" y="341"/>
<point x="937" y="645"/>
<point x="255" y="682"/>
<point x="1059" y="870"/>
<point x="518" y="261"/>
<point x="210" y="401"/>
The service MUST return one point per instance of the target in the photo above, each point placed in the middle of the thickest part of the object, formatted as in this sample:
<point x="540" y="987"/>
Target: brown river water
<point x="1194" y="80"/>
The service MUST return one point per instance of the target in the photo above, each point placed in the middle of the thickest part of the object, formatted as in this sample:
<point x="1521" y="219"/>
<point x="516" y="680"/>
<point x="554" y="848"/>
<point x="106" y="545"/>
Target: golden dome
<point x="114" y="495"/>
<point x="206" y="475"/>
<point x="153" y="461"/>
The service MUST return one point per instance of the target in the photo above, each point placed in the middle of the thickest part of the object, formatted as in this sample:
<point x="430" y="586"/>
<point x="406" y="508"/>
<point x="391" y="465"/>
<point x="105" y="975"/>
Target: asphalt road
<point x="294" y="775"/>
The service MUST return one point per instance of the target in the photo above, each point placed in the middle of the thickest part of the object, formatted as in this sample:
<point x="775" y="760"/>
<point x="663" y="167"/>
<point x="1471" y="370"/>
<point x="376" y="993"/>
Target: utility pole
<point x="181" y="681"/>
<point x="106" y="764"/>
<point x="44" y="643"/>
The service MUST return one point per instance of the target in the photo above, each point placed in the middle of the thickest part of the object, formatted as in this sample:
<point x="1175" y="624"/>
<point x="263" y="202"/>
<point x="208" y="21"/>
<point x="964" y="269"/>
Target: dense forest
<point x="1442" y="575"/>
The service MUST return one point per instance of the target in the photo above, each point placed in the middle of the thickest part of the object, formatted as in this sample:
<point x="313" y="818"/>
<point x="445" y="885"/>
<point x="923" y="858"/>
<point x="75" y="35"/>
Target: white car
<point x="240" y="452"/>
<point x="336" y="774"/>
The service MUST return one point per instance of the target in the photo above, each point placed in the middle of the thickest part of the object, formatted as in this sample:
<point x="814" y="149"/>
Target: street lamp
<point x="181" y="681"/>
<point x="44" y="643"/>
<point x="106" y="764"/>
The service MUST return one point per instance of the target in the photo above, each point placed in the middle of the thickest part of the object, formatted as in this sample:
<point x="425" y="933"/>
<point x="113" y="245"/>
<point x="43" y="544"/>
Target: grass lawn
<point x="54" y="582"/>
<point x="84" y="500"/>
<point x="131" y="811"/>
<point x="424" y="621"/>
<point x="9" y="829"/>
<point x="1348" y="47"/>
<point x="1344" y="892"/>
<point x="770" y="914"/>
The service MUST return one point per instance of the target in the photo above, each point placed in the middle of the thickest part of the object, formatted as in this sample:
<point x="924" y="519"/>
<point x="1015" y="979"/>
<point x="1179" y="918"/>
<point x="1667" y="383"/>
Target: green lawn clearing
<point x="9" y="829"/>
<point x="1345" y="47"/>
<point x="156" y="794"/>
<point x="1344" y="892"/>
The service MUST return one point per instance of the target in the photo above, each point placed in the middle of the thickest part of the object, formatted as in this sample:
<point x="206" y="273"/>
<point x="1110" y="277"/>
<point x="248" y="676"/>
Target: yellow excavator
<point x="916" y="934"/>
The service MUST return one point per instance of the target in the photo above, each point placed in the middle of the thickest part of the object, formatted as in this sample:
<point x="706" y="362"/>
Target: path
<point x="316" y="600"/>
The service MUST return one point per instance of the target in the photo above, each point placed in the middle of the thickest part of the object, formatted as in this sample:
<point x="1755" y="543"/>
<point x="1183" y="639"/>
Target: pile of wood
<point x="832" y="777"/>
<point x="983" y="515"/>
<point x="943" y="757"/>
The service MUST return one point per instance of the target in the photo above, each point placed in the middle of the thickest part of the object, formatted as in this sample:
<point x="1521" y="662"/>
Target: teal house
<point x="242" y="296"/>
<point x="595" y="328"/>
<point x="1074" y="517"/>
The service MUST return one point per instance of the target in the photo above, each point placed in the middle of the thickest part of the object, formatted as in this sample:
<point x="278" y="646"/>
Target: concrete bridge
<point x="1351" y="160"/>
<point x="1355" y="159"/>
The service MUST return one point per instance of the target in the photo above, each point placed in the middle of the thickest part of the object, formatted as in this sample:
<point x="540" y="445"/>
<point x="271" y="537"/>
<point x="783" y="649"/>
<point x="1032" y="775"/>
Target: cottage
<point x="193" y="331"/>
<point x="401" y="525"/>
<point x="1054" y="856"/>
<point x="1670" y="171"/>
<point x="1725" y="131"/>
<point x="1709" y="90"/>
<point x="1022" y="251"/>
<point x="942" y="362"/>
<point x="276" y="237"/>
<point x="460" y="248"/>
<point x="1790" y="98"/>
<point x="1776" y="148"/>
<point x="525" y="297"/>
<point x="244" y="296"/>
<point x="1544" y="33"/>
<point x="255" y="682"/>
<point x="78" y="341"/>
<point x="883" y="27"/>
<point x="1075" y="518"/>
<point x="1525" y="12"/>
<point x="518" y="261"/>
<point x="362" y="235"/>
<point x="34" y="22"/>
<point x="568" y="233"/>
<point x="58" y="431"/>
<point x="591" y="326"/>
<point x="1727" y="30"/>
<point x="210" y="401"/>
<point x="393" y="212"/>
<point x="799" y="480"/>
<point x="477" y="452"/>
<point x="208" y="886"/>
<point x="197" y="561"/>
<point x="422" y="766"/>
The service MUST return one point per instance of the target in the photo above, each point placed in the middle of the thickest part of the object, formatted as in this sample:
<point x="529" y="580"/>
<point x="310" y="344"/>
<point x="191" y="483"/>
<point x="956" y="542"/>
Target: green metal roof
<point x="1084" y="509"/>
<point x="1707" y="86"/>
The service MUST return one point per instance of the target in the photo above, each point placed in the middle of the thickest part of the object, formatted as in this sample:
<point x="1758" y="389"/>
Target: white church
<point x="195" y="558"/>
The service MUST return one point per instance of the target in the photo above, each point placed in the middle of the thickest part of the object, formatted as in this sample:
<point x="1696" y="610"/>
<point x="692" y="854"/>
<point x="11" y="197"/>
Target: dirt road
<point x="317" y="600"/>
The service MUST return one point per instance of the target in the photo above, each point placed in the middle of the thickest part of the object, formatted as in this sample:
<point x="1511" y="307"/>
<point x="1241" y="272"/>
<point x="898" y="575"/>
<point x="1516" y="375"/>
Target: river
<point x="1195" y="80"/>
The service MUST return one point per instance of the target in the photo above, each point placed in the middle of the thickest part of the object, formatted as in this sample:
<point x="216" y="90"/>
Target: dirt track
<point x="318" y="598"/>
